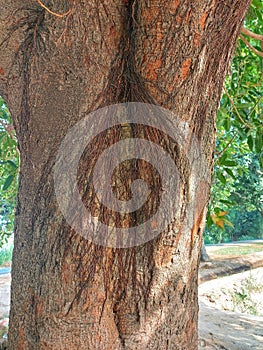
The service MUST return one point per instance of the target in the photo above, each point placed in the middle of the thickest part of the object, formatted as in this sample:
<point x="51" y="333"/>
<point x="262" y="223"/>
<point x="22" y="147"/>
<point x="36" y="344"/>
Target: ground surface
<point x="233" y="259"/>
<point x="218" y="330"/>
<point x="225" y="330"/>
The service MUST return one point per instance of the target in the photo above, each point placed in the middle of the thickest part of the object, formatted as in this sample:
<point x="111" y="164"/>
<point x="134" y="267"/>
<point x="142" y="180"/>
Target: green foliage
<point x="9" y="167"/>
<point x="243" y="197"/>
<point x="238" y="184"/>
<point x="245" y="223"/>
<point x="248" y="187"/>
<point x="246" y="238"/>
<point x="243" y="297"/>
<point x="6" y="254"/>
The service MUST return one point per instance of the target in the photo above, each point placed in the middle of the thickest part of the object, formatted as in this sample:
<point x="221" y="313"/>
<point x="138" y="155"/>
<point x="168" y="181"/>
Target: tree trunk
<point x="60" y="61"/>
<point x="204" y="256"/>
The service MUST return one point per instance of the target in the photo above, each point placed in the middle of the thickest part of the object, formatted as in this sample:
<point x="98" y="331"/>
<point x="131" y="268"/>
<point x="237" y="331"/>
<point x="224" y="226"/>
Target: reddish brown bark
<point x="68" y="293"/>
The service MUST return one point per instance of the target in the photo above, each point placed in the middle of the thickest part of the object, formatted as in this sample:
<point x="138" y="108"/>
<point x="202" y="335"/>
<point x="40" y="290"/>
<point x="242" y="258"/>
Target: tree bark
<point x="59" y="63"/>
<point x="204" y="256"/>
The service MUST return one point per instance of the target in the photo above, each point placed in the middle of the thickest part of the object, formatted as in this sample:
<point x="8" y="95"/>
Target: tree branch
<point x="257" y="52"/>
<point x="252" y="35"/>
<point x="235" y="108"/>
<point x="226" y="147"/>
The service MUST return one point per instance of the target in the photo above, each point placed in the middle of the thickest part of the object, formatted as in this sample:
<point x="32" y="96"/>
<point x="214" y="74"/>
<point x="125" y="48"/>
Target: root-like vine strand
<point x="52" y="12"/>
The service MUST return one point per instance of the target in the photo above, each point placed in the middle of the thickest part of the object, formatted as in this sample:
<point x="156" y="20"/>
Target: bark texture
<point x="204" y="256"/>
<point x="57" y="64"/>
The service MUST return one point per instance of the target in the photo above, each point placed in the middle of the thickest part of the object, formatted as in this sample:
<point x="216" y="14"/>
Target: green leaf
<point x="250" y="143"/>
<point x="230" y="172"/>
<point x="225" y="201"/>
<point x="257" y="3"/>
<point x="2" y="135"/>
<point x="209" y="221"/>
<point x="230" y="163"/>
<point x="217" y="210"/>
<point x="223" y="158"/>
<point x="8" y="182"/>
<point x="13" y="165"/>
<point x="243" y="105"/>
<point x="259" y="141"/>
<point x="227" y="123"/>
<point x="221" y="178"/>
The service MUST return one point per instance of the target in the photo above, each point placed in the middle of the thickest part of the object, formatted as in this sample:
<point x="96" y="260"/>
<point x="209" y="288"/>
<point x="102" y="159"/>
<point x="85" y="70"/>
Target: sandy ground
<point x="241" y="292"/>
<point x="227" y="330"/>
<point x="5" y="283"/>
<point x="220" y="329"/>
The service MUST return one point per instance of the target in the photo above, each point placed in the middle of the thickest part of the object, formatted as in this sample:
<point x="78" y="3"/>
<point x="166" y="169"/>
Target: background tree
<point x="59" y="61"/>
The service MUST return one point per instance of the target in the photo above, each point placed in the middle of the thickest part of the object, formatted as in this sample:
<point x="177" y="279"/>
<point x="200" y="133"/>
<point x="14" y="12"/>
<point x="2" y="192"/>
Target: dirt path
<point x="5" y="283"/>
<point x="223" y="329"/>
<point x="224" y="265"/>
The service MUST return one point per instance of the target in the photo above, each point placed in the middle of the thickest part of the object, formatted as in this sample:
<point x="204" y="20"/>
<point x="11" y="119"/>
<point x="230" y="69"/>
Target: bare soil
<point x="220" y="329"/>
